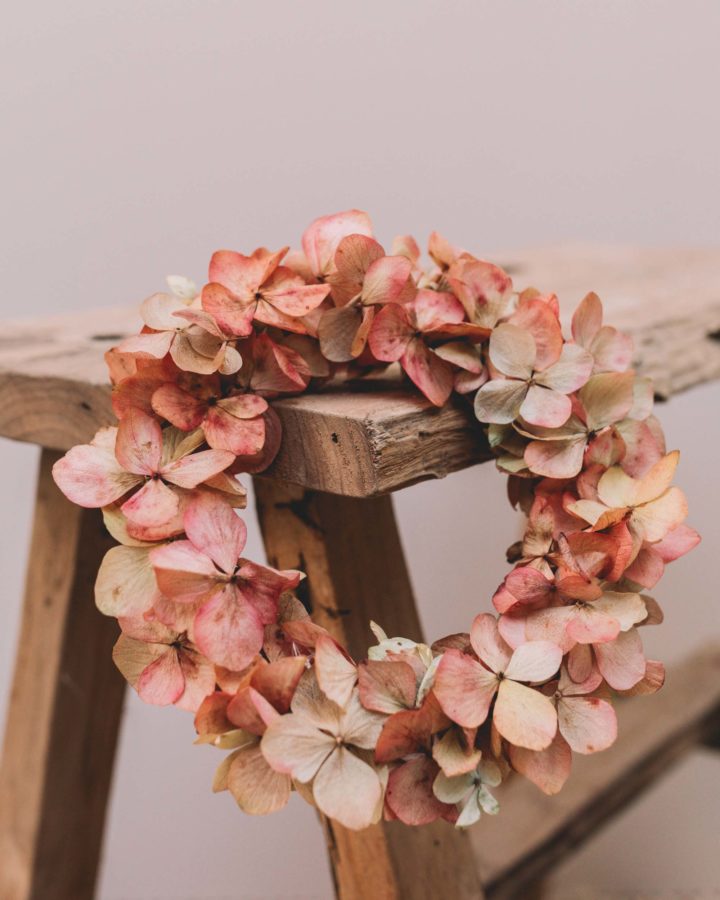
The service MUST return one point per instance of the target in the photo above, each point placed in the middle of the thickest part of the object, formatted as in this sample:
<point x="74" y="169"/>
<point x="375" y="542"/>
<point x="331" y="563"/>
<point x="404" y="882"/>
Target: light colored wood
<point x="64" y="710"/>
<point x="533" y="832"/>
<point x="351" y="552"/>
<point x="53" y="389"/>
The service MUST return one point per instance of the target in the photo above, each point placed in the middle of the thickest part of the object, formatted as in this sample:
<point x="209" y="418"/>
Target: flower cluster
<point x="413" y="732"/>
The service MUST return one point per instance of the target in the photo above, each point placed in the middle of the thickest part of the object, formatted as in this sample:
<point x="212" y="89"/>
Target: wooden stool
<point x="324" y="507"/>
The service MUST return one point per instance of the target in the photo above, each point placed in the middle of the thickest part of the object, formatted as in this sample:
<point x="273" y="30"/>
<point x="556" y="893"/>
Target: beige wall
<point x="139" y="136"/>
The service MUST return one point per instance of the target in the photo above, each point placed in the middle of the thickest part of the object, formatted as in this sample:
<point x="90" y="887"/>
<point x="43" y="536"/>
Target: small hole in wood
<point x="107" y="337"/>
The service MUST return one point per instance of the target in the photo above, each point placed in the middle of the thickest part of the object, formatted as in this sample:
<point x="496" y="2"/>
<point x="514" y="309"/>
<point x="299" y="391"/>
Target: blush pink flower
<point x="233" y="599"/>
<point x="403" y="333"/>
<point x="193" y="340"/>
<point x="162" y="665"/>
<point x="321" y="238"/>
<point x="484" y="290"/>
<point x="233" y="422"/>
<point x="649" y="505"/>
<point x="527" y="385"/>
<point x="611" y="350"/>
<point x="364" y="278"/>
<point x="586" y="724"/>
<point x="466" y="687"/>
<point x="139" y="454"/>
<point x="603" y="401"/>
<point x="244" y="289"/>
<point x="319" y="742"/>
<point x="649" y="565"/>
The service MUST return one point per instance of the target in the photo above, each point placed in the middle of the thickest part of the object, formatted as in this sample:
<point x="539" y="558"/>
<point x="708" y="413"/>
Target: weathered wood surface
<point x="53" y="389"/>
<point x="534" y="832"/>
<point x="64" y="711"/>
<point x="351" y="552"/>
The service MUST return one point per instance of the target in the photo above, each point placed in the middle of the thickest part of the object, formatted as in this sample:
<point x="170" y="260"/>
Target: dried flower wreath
<point x="413" y="732"/>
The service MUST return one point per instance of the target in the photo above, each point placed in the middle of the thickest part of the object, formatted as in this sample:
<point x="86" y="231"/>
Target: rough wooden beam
<point x="533" y="832"/>
<point x="53" y="389"/>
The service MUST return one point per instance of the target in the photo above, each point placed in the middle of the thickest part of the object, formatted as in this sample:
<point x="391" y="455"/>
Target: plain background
<point x="140" y="136"/>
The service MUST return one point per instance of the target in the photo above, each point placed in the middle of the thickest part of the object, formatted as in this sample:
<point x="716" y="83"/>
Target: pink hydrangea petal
<point x="297" y="747"/>
<point x="156" y="344"/>
<point x="433" y="309"/>
<point x="524" y="716"/>
<point x="556" y="459"/>
<point x="190" y="471"/>
<point x="534" y="661"/>
<point x="658" y="478"/>
<point x="621" y="662"/>
<point x="158" y="311"/>
<point x="588" y="625"/>
<point x="337" y="331"/>
<point x="183" y="573"/>
<point x="233" y="316"/>
<point x="524" y="585"/>
<point x="348" y="790"/>
<point x="537" y="317"/>
<point x="588" y="724"/>
<point x="153" y="505"/>
<point x="654" y="520"/>
<point x="548" y="769"/>
<point x="162" y="682"/>
<point x="607" y="398"/>
<point x="240" y="436"/>
<point x="487" y="643"/>
<point x="295" y="298"/>
<point x="391" y="333"/>
<point x="570" y="372"/>
<point x="277" y="683"/>
<point x="386" y="686"/>
<point x="90" y="476"/>
<point x="410" y="796"/>
<point x="464" y="688"/>
<point x="432" y="375"/>
<point x="647" y="568"/>
<point x="216" y="530"/>
<point x="335" y="673"/>
<point x="180" y="408"/>
<point x="587" y="319"/>
<point x="257" y="788"/>
<point x="512" y="351"/>
<point x="386" y="280"/>
<point x="499" y="401"/>
<point x="677" y="543"/>
<point x="627" y="608"/>
<point x="240" y="274"/>
<point x="125" y="584"/>
<point x="228" y="630"/>
<point x="550" y="625"/>
<point x="261" y="586"/>
<point x="321" y="237"/>
<point x="546" y="407"/>
<point x="612" y="350"/>
<point x="138" y="447"/>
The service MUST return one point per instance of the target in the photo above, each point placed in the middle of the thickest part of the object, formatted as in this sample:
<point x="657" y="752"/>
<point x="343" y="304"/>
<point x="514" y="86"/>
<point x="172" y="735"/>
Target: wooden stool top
<point x="54" y="390"/>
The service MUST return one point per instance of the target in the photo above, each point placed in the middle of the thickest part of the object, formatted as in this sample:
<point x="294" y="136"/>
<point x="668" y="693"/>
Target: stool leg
<point x="64" y="710"/>
<point x="351" y="552"/>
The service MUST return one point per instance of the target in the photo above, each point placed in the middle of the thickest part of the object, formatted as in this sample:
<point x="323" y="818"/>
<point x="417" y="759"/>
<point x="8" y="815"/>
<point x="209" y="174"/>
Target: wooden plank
<point x="533" y="832"/>
<point x="351" y="552"/>
<point x="64" y="711"/>
<point x="53" y="388"/>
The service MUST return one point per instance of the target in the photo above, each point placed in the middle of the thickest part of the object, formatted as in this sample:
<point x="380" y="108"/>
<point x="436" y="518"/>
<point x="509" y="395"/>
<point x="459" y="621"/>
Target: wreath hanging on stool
<point x="413" y="732"/>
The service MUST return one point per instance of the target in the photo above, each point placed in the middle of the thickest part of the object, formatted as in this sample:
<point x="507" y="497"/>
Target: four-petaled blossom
<point x="404" y="334"/>
<point x="611" y="349"/>
<point x="466" y="687"/>
<point x="525" y="387"/>
<point x="470" y="790"/>
<point x="139" y="453"/>
<point x="318" y="742"/>
<point x="233" y="599"/>
<point x="244" y="289"/>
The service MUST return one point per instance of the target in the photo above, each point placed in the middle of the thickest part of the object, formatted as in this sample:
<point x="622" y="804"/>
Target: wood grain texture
<point x="64" y="710"/>
<point x="351" y="552"/>
<point x="53" y="389"/>
<point x="534" y="832"/>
